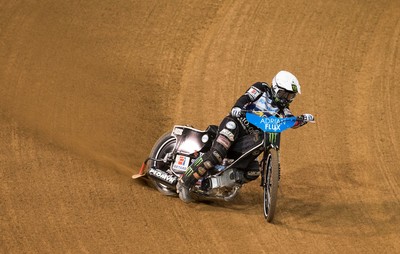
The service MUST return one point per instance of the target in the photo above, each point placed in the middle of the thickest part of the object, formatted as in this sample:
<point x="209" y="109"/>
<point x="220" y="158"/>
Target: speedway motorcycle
<point x="175" y="151"/>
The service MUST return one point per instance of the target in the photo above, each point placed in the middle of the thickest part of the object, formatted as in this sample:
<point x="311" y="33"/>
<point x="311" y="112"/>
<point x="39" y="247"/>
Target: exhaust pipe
<point x="163" y="177"/>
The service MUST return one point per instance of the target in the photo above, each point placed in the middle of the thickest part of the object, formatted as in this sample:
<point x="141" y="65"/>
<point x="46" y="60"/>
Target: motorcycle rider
<point x="275" y="100"/>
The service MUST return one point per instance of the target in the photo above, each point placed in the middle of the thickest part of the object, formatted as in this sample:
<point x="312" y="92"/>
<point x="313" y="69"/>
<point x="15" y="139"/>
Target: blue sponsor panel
<point x="271" y="123"/>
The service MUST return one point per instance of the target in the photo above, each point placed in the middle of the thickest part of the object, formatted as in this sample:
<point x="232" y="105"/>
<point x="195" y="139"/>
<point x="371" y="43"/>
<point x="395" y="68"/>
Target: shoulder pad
<point x="254" y="92"/>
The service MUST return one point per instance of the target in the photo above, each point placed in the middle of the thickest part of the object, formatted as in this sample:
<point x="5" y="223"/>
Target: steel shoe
<point x="183" y="191"/>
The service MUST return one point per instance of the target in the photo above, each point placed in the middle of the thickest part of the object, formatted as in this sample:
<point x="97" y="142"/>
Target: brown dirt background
<point x="86" y="88"/>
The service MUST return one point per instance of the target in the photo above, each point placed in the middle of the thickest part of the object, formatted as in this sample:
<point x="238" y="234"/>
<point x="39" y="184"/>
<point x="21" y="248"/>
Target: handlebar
<point x="244" y="111"/>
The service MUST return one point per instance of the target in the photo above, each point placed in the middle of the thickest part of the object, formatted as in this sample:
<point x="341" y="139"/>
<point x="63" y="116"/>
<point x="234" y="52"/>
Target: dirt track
<point x="86" y="87"/>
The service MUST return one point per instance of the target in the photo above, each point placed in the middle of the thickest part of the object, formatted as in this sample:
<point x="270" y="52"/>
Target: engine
<point x="222" y="184"/>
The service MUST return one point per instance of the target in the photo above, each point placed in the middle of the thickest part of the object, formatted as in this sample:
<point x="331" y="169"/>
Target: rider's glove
<point x="236" y="112"/>
<point x="307" y="118"/>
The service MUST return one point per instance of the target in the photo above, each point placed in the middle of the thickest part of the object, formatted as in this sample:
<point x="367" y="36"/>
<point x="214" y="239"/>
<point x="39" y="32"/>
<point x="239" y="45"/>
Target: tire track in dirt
<point x="389" y="157"/>
<point x="381" y="65"/>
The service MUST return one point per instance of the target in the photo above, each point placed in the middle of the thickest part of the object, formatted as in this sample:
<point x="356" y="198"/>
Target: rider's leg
<point x="252" y="172"/>
<point x="227" y="133"/>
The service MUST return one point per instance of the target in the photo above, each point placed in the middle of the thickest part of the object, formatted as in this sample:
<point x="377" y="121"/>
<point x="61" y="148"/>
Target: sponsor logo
<point x="178" y="131"/>
<point x="272" y="137"/>
<point x="223" y="141"/>
<point x="271" y="123"/>
<point x="198" y="161"/>
<point x="189" y="171"/>
<point x="228" y="134"/>
<point x="181" y="162"/>
<point x="294" y="87"/>
<point x="208" y="164"/>
<point x="231" y="125"/>
<point x="162" y="175"/>
<point x="253" y="173"/>
<point x="253" y="92"/>
<point x="201" y="171"/>
<point x="246" y="125"/>
<point x="218" y="156"/>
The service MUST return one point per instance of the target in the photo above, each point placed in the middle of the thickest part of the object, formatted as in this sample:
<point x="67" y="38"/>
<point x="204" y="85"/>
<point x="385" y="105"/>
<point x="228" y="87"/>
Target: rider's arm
<point x="302" y="120"/>
<point x="288" y="113"/>
<point x="252" y="94"/>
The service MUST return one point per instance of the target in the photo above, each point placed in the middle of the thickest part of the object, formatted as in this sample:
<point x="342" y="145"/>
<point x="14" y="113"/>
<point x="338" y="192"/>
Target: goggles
<point x="284" y="94"/>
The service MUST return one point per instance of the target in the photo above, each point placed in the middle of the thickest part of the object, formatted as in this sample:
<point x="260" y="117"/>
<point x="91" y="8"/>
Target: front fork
<point x="271" y="141"/>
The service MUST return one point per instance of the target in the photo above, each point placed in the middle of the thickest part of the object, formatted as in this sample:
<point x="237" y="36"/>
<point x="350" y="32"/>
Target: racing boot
<point x="183" y="191"/>
<point x="193" y="173"/>
<point x="183" y="187"/>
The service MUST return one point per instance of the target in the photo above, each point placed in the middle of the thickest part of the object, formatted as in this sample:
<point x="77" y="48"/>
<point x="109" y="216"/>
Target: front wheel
<point x="270" y="183"/>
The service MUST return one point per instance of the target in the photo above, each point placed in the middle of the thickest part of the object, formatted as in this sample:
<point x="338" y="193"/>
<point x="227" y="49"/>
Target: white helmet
<point x="285" y="86"/>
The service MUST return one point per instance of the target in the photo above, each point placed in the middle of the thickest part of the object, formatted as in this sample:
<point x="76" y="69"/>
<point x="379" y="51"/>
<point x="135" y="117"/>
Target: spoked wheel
<point x="164" y="145"/>
<point x="270" y="184"/>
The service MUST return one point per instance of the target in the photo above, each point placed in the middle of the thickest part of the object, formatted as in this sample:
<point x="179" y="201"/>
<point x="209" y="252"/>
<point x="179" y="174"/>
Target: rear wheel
<point x="270" y="184"/>
<point x="164" y="145"/>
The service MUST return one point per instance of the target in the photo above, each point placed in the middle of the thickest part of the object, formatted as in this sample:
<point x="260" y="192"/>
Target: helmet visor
<point x="287" y="95"/>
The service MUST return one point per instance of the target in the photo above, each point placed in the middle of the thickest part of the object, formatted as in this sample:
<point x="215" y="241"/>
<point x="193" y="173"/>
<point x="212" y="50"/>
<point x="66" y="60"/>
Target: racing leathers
<point x="233" y="132"/>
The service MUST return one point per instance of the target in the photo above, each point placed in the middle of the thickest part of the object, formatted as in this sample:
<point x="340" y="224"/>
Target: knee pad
<point x="218" y="152"/>
<point x="224" y="139"/>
